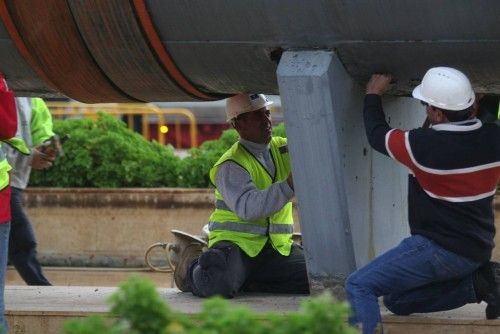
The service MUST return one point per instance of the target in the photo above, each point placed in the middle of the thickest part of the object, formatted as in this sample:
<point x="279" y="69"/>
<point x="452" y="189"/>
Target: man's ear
<point x="236" y="124"/>
<point x="440" y="116"/>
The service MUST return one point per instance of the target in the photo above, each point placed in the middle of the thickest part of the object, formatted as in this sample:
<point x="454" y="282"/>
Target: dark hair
<point x="488" y="108"/>
<point x="457" y="115"/>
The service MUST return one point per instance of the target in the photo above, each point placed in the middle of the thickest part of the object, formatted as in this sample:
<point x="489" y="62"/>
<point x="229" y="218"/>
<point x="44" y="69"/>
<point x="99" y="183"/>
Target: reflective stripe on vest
<point x="18" y="144"/>
<point x="252" y="235"/>
<point x="4" y="173"/>
<point x="251" y="228"/>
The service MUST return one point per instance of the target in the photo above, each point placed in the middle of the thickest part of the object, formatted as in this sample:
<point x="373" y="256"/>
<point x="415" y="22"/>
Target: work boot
<point x="493" y="298"/>
<point x="182" y="275"/>
<point x="487" y="288"/>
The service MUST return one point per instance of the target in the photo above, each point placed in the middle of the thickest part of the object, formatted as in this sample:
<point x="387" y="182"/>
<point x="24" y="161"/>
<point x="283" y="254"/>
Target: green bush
<point x="279" y="130"/>
<point x="193" y="170"/>
<point x="138" y="309"/>
<point x="105" y="153"/>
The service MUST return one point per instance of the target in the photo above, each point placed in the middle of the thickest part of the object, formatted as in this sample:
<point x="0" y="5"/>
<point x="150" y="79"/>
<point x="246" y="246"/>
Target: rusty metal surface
<point x="122" y="50"/>
<point x="18" y="72"/>
<point x="185" y="50"/>
<point x="48" y="31"/>
<point x="163" y="56"/>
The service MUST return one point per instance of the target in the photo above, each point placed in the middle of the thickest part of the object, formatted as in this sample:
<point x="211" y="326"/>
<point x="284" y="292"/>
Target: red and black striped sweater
<point x="454" y="172"/>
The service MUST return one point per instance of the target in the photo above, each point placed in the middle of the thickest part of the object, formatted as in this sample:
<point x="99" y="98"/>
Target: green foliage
<point x="138" y="302"/>
<point x="92" y="325"/>
<point x="279" y="130"/>
<point x="138" y="309"/>
<point x="105" y="153"/>
<point x="193" y="170"/>
<point x="318" y="315"/>
<point x="218" y="316"/>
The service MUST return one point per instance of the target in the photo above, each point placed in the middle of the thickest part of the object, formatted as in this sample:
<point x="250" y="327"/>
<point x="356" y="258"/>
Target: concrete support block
<point x="352" y="201"/>
<point x="315" y="93"/>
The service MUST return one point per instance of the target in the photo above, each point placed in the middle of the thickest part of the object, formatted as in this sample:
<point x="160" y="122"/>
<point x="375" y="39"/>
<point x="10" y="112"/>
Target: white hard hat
<point x="445" y="88"/>
<point x="243" y="103"/>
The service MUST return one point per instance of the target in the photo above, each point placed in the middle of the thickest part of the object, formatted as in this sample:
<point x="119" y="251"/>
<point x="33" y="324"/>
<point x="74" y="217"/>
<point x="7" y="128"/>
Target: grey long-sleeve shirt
<point x="21" y="164"/>
<point x="240" y="193"/>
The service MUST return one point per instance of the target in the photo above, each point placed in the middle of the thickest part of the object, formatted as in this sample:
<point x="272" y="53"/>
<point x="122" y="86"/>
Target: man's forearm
<point x="375" y="124"/>
<point x="244" y="199"/>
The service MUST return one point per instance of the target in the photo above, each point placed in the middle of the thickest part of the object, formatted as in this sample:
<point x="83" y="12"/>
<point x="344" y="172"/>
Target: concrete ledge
<point x="101" y="277"/>
<point x="465" y="320"/>
<point x="112" y="227"/>
<point x="79" y="300"/>
<point x="156" y="198"/>
<point x="38" y="310"/>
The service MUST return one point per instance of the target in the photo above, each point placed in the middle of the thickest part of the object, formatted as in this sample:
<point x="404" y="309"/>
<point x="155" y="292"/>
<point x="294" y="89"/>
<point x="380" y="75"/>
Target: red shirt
<point x="8" y="114"/>
<point x="8" y="128"/>
<point x="5" y="205"/>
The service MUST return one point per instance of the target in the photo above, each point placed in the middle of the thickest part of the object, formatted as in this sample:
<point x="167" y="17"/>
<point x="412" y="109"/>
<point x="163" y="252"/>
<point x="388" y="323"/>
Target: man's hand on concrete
<point x="378" y="84"/>
<point x="42" y="160"/>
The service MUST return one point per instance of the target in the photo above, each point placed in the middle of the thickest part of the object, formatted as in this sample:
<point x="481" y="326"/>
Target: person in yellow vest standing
<point x="35" y="128"/>
<point x="250" y="230"/>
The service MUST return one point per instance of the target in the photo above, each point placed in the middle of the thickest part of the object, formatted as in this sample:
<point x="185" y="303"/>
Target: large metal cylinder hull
<point x="117" y="50"/>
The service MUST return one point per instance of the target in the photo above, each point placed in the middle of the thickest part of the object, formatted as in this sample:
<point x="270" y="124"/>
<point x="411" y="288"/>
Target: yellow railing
<point x="60" y="109"/>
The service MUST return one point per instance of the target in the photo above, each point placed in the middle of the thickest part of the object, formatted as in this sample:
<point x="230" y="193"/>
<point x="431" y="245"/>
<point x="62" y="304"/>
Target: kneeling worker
<point x="454" y="172"/>
<point x="250" y="238"/>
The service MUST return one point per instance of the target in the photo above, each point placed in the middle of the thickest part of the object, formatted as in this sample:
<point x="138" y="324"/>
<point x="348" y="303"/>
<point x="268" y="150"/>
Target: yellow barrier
<point x="59" y="109"/>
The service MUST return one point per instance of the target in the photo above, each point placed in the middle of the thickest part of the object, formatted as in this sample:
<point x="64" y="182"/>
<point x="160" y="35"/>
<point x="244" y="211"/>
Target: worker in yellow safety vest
<point x="35" y="128"/>
<point x="250" y="231"/>
<point x="8" y="126"/>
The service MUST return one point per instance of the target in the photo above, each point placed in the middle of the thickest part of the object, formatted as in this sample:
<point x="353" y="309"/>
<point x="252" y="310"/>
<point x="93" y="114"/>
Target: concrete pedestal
<point x="352" y="200"/>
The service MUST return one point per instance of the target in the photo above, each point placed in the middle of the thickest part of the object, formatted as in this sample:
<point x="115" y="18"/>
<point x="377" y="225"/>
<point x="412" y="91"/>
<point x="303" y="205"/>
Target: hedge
<point x="105" y="153"/>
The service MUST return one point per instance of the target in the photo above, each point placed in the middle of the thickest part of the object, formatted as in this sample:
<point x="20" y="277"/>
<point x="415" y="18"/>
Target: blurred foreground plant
<point x="137" y="308"/>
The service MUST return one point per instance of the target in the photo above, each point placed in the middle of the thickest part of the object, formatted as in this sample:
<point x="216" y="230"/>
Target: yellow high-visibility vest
<point x="251" y="236"/>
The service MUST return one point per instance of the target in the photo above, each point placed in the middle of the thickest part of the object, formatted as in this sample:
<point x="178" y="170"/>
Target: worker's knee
<point x="352" y="285"/>
<point x="213" y="259"/>
<point x="211" y="282"/>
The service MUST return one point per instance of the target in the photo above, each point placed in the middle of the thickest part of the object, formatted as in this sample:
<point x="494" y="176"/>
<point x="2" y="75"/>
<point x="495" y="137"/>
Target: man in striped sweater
<point x="454" y="169"/>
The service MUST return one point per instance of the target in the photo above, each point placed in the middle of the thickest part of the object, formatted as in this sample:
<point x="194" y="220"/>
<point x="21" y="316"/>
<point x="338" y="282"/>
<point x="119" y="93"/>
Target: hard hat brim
<point x="268" y="103"/>
<point x="417" y="93"/>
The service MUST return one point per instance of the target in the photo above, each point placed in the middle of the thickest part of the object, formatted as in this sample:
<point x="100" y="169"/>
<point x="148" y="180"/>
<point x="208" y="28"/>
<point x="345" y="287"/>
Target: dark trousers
<point x="22" y="243"/>
<point x="267" y="272"/>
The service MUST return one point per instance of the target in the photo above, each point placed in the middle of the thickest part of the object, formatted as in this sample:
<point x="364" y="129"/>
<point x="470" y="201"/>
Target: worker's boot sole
<point x="181" y="273"/>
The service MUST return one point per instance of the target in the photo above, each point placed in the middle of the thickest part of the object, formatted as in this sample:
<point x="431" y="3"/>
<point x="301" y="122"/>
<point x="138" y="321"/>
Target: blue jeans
<point x="4" y="246"/>
<point x="417" y="276"/>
